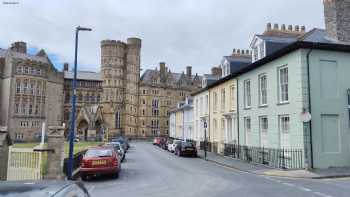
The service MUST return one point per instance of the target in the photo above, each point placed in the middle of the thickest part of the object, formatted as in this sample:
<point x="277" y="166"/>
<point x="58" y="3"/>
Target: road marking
<point x="305" y="189"/>
<point x="91" y="189"/>
<point x="322" y="194"/>
<point x="289" y="184"/>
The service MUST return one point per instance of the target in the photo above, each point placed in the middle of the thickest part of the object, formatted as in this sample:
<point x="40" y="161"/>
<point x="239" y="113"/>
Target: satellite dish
<point x="305" y="116"/>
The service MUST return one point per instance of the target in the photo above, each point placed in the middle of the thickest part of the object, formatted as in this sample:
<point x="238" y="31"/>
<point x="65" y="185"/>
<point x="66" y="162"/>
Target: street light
<point x="72" y="126"/>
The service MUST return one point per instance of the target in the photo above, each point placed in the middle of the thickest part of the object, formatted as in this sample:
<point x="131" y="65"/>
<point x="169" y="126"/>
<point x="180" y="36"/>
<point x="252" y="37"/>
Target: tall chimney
<point x="20" y="47"/>
<point x="337" y="19"/>
<point x="216" y="71"/>
<point x="162" y="67"/>
<point x="189" y="71"/>
<point x="65" y="66"/>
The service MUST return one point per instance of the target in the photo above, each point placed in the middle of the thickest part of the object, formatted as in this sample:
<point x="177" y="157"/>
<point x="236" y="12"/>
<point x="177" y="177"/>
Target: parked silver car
<point x="119" y="148"/>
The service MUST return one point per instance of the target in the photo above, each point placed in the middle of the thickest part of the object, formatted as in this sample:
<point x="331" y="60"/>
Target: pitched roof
<point x="149" y="73"/>
<point x="316" y="39"/>
<point x="83" y="75"/>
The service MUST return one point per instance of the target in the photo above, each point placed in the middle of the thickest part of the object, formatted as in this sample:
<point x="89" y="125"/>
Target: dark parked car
<point x="186" y="149"/>
<point x="100" y="161"/>
<point x="118" y="148"/>
<point x="43" y="189"/>
<point x="123" y="141"/>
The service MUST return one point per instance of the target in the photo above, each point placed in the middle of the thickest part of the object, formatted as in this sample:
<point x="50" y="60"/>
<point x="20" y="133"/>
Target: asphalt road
<point x="151" y="171"/>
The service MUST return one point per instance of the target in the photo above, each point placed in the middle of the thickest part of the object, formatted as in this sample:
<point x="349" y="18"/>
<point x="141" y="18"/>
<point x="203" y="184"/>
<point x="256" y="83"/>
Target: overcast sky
<point x="179" y="32"/>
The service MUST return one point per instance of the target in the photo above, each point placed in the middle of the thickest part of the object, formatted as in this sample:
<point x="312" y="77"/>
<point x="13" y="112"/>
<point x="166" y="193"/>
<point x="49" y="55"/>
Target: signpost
<point x="305" y="117"/>
<point x="205" y="139"/>
<point x="349" y="104"/>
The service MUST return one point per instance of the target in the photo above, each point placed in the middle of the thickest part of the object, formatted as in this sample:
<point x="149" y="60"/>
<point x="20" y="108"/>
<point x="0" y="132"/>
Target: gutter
<point x="309" y="100"/>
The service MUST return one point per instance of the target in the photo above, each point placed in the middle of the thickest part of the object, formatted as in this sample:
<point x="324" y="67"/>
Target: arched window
<point x="117" y="120"/>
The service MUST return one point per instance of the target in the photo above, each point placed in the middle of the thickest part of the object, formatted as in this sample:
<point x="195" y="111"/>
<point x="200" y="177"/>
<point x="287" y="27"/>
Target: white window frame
<point x="19" y="69"/>
<point x="215" y="101"/>
<point x="284" y="123"/>
<point x="247" y="94"/>
<point x="264" y="127"/>
<point x="262" y="90"/>
<point x="223" y="99"/>
<point x="246" y="128"/>
<point x="283" y="85"/>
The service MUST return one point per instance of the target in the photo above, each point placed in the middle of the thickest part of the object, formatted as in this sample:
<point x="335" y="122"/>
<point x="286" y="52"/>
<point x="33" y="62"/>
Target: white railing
<point x="24" y="164"/>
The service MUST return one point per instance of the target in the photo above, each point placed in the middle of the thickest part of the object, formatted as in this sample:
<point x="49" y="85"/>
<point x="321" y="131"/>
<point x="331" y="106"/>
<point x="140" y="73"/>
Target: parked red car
<point x="157" y="141"/>
<point x="100" y="161"/>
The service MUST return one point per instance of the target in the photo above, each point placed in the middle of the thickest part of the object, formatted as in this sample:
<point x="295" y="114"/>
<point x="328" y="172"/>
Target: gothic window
<point x="25" y="86"/>
<point x="18" y="86"/>
<point x="36" y="109"/>
<point x="38" y="88"/>
<point x="26" y="70"/>
<point x="19" y="69"/>
<point x="17" y="108"/>
<point x="98" y="98"/>
<point x="30" y="109"/>
<point x="117" y="120"/>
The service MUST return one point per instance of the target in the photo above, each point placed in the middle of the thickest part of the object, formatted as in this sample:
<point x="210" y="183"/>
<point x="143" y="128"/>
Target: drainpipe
<point x="237" y="109"/>
<point x="348" y="91"/>
<point x="309" y="100"/>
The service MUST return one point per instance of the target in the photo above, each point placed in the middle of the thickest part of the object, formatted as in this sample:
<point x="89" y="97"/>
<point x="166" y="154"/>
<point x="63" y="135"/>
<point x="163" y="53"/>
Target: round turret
<point x="134" y="41"/>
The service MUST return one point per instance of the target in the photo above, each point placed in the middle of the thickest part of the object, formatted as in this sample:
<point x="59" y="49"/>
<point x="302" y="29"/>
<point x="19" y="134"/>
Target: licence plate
<point x="99" y="162"/>
<point x="189" y="148"/>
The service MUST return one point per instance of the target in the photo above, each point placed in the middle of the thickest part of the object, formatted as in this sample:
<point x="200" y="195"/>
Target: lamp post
<point x="348" y="91"/>
<point x="72" y="126"/>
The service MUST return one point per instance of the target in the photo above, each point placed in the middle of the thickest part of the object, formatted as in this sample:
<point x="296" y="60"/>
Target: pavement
<point x="265" y="170"/>
<point x="151" y="171"/>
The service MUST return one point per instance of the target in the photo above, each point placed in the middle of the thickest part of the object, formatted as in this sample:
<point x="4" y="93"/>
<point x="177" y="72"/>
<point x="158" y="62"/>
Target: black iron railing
<point x="76" y="161"/>
<point x="285" y="158"/>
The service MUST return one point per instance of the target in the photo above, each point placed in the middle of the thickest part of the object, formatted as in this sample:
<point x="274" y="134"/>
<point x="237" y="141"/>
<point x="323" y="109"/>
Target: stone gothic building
<point x="119" y="101"/>
<point x="30" y="92"/>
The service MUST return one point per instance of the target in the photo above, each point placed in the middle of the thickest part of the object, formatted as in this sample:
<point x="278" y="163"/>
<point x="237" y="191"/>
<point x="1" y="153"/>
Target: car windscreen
<point x="187" y="144"/>
<point x="99" y="153"/>
<point x="116" y="146"/>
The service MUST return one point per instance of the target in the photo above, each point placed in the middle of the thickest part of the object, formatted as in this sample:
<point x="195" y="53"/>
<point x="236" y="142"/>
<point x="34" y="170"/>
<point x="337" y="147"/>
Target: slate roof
<point x="83" y="75"/>
<point x="314" y="39"/>
<point x="280" y="39"/>
<point x="147" y="75"/>
<point x="3" y="53"/>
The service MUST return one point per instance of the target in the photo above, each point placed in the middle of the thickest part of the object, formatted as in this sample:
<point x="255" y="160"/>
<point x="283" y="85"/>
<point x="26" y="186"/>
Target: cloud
<point x="179" y="32"/>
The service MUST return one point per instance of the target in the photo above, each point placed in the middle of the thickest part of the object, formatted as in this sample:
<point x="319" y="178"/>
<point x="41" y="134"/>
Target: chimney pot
<point x="297" y="28"/>
<point x="189" y="71"/>
<point x="20" y="47"/>
<point x="275" y="26"/>
<point x="283" y="27"/>
<point x="303" y="29"/>
<point x="290" y="27"/>
<point x="268" y="26"/>
<point x="65" y="66"/>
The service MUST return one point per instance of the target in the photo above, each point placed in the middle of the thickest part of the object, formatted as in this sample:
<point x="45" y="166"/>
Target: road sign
<point x="305" y="116"/>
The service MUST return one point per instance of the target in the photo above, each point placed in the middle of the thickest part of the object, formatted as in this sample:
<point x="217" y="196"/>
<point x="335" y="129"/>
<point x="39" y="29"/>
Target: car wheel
<point x="84" y="177"/>
<point x="116" y="175"/>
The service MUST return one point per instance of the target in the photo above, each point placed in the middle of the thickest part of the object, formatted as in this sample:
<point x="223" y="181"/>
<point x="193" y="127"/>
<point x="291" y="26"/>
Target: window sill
<point x="247" y="108"/>
<point x="283" y="103"/>
<point x="262" y="106"/>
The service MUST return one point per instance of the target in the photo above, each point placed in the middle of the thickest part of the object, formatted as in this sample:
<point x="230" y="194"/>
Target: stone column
<point x="5" y="142"/>
<point x="56" y="152"/>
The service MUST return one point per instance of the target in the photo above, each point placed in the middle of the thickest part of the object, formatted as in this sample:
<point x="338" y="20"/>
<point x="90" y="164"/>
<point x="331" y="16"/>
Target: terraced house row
<point x="290" y="90"/>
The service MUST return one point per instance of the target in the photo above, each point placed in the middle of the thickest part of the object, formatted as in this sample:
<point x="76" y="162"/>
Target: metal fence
<point x="285" y="158"/>
<point x="24" y="164"/>
<point x="76" y="161"/>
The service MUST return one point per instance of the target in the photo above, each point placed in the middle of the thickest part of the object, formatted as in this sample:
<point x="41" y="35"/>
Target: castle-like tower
<point x="120" y="72"/>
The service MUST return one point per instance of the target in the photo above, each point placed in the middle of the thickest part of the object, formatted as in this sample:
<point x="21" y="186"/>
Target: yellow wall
<point x="217" y="111"/>
<point x="179" y="124"/>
